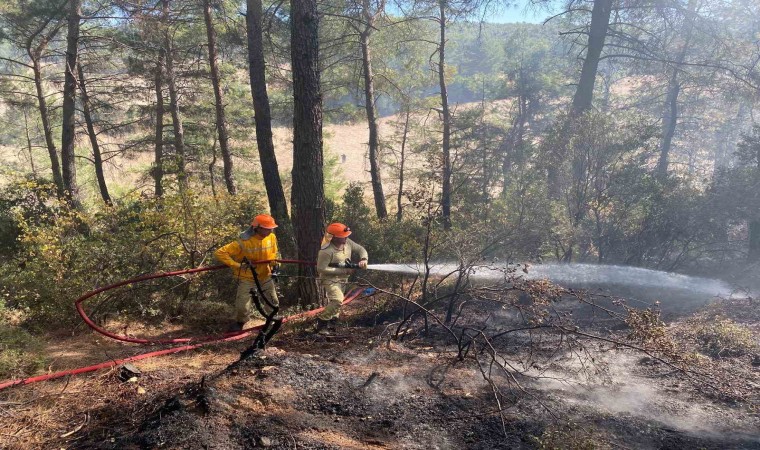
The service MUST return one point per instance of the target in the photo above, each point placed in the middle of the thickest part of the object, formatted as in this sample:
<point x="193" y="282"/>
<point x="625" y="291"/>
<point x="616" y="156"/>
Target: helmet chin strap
<point x="339" y="246"/>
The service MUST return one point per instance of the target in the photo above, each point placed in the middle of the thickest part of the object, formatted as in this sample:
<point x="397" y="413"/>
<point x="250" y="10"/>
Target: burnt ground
<point x="358" y="389"/>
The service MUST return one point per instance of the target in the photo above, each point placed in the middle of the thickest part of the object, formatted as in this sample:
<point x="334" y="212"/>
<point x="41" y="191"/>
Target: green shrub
<point x="647" y="329"/>
<point x="20" y="352"/>
<point x="385" y="241"/>
<point x="56" y="261"/>
<point x="725" y="338"/>
<point x="23" y="201"/>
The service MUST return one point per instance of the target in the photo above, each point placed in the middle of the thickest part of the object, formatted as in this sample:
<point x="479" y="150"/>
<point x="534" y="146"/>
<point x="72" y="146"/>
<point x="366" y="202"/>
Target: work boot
<point x="332" y="324"/>
<point x="322" y="326"/>
<point x="235" y="327"/>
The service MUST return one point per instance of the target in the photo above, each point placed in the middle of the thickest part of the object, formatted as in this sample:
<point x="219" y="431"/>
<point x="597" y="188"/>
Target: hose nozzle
<point x="347" y="264"/>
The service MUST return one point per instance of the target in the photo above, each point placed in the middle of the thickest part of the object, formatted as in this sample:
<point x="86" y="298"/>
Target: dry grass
<point x="348" y="139"/>
<point x="36" y="415"/>
<point x="129" y="173"/>
<point x="722" y="341"/>
<point x="725" y="338"/>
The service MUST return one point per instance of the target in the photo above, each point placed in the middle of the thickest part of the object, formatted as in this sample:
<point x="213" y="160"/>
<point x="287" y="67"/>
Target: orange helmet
<point x="339" y="230"/>
<point x="264" y="221"/>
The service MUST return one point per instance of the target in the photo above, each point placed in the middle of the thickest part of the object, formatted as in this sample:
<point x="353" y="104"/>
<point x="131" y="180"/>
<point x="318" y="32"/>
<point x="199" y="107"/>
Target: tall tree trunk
<point x="29" y="147"/>
<point x="727" y="135"/>
<point x="307" y="198"/>
<point x="753" y="254"/>
<point x="221" y="122"/>
<point x="158" y="162"/>
<point x="754" y="241"/>
<point x="600" y="22"/>
<point x="669" y="123"/>
<point x="670" y="109"/>
<point x="446" y="145"/>
<point x="211" y="170"/>
<point x="374" y="138"/>
<point x="554" y="189"/>
<point x="485" y="195"/>
<point x="55" y="165"/>
<point x="399" y="213"/>
<point x="179" y="131"/>
<point x="521" y="122"/>
<point x="93" y="138"/>
<point x="68" y="161"/>
<point x="257" y="72"/>
<point x="507" y="162"/>
<point x="582" y="103"/>
<point x="513" y="145"/>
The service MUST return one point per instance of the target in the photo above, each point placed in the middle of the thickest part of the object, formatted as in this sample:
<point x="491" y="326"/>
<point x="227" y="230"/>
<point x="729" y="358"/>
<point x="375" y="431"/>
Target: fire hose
<point x="200" y="341"/>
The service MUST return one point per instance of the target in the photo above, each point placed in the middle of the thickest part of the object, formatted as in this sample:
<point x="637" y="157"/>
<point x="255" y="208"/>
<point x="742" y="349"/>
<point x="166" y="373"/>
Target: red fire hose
<point x="206" y="340"/>
<point x="94" y="326"/>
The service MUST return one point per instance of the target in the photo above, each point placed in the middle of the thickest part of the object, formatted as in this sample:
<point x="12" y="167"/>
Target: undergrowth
<point x="725" y="338"/>
<point x="21" y="353"/>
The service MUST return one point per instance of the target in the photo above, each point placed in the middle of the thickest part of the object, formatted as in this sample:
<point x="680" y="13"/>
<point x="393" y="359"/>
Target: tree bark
<point x="753" y="254"/>
<point x="29" y="144"/>
<point x="584" y="95"/>
<point x="69" y="105"/>
<point x="93" y="139"/>
<point x="485" y="196"/>
<point x="374" y="138"/>
<point x="221" y="122"/>
<point x="446" y="117"/>
<point x="669" y="123"/>
<point x="399" y="213"/>
<point x="158" y="162"/>
<point x="670" y="110"/>
<point x="257" y="72"/>
<point x="754" y="241"/>
<point x="600" y="22"/>
<point x="513" y="145"/>
<point x="55" y="165"/>
<point x="727" y="135"/>
<point x="179" y="131"/>
<point x="307" y="198"/>
<point x="211" y="170"/>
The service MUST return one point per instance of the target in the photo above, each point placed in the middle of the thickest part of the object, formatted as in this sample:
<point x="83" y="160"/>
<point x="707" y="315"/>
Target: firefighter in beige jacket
<point x="336" y="249"/>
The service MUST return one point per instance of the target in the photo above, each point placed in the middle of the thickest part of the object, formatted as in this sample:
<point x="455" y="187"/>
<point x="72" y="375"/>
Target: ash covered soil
<point x="358" y="389"/>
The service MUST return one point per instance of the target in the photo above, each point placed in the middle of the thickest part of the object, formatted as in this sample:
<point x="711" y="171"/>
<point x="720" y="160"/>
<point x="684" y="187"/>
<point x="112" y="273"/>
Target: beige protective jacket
<point x="330" y="254"/>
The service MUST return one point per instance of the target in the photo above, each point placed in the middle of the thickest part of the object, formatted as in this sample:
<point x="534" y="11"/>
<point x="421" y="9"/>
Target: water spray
<point x="573" y="275"/>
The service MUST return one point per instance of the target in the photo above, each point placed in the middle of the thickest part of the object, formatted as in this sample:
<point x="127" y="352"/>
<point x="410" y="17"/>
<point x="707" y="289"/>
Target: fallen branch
<point x="81" y="425"/>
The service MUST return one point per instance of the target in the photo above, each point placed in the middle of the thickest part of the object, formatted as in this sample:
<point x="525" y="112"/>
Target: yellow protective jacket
<point x="254" y="248"/>
<point x="330" y="254"/>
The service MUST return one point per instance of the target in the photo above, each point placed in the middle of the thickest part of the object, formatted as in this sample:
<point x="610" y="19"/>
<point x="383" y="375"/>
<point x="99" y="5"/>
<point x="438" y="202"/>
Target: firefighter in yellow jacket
<point x="336" y="249"/>
<point x="257" y="243"/>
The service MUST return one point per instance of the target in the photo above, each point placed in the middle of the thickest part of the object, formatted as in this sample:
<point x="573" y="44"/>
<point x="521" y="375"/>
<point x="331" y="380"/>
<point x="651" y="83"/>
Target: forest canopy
<point x="611" y="132"/>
